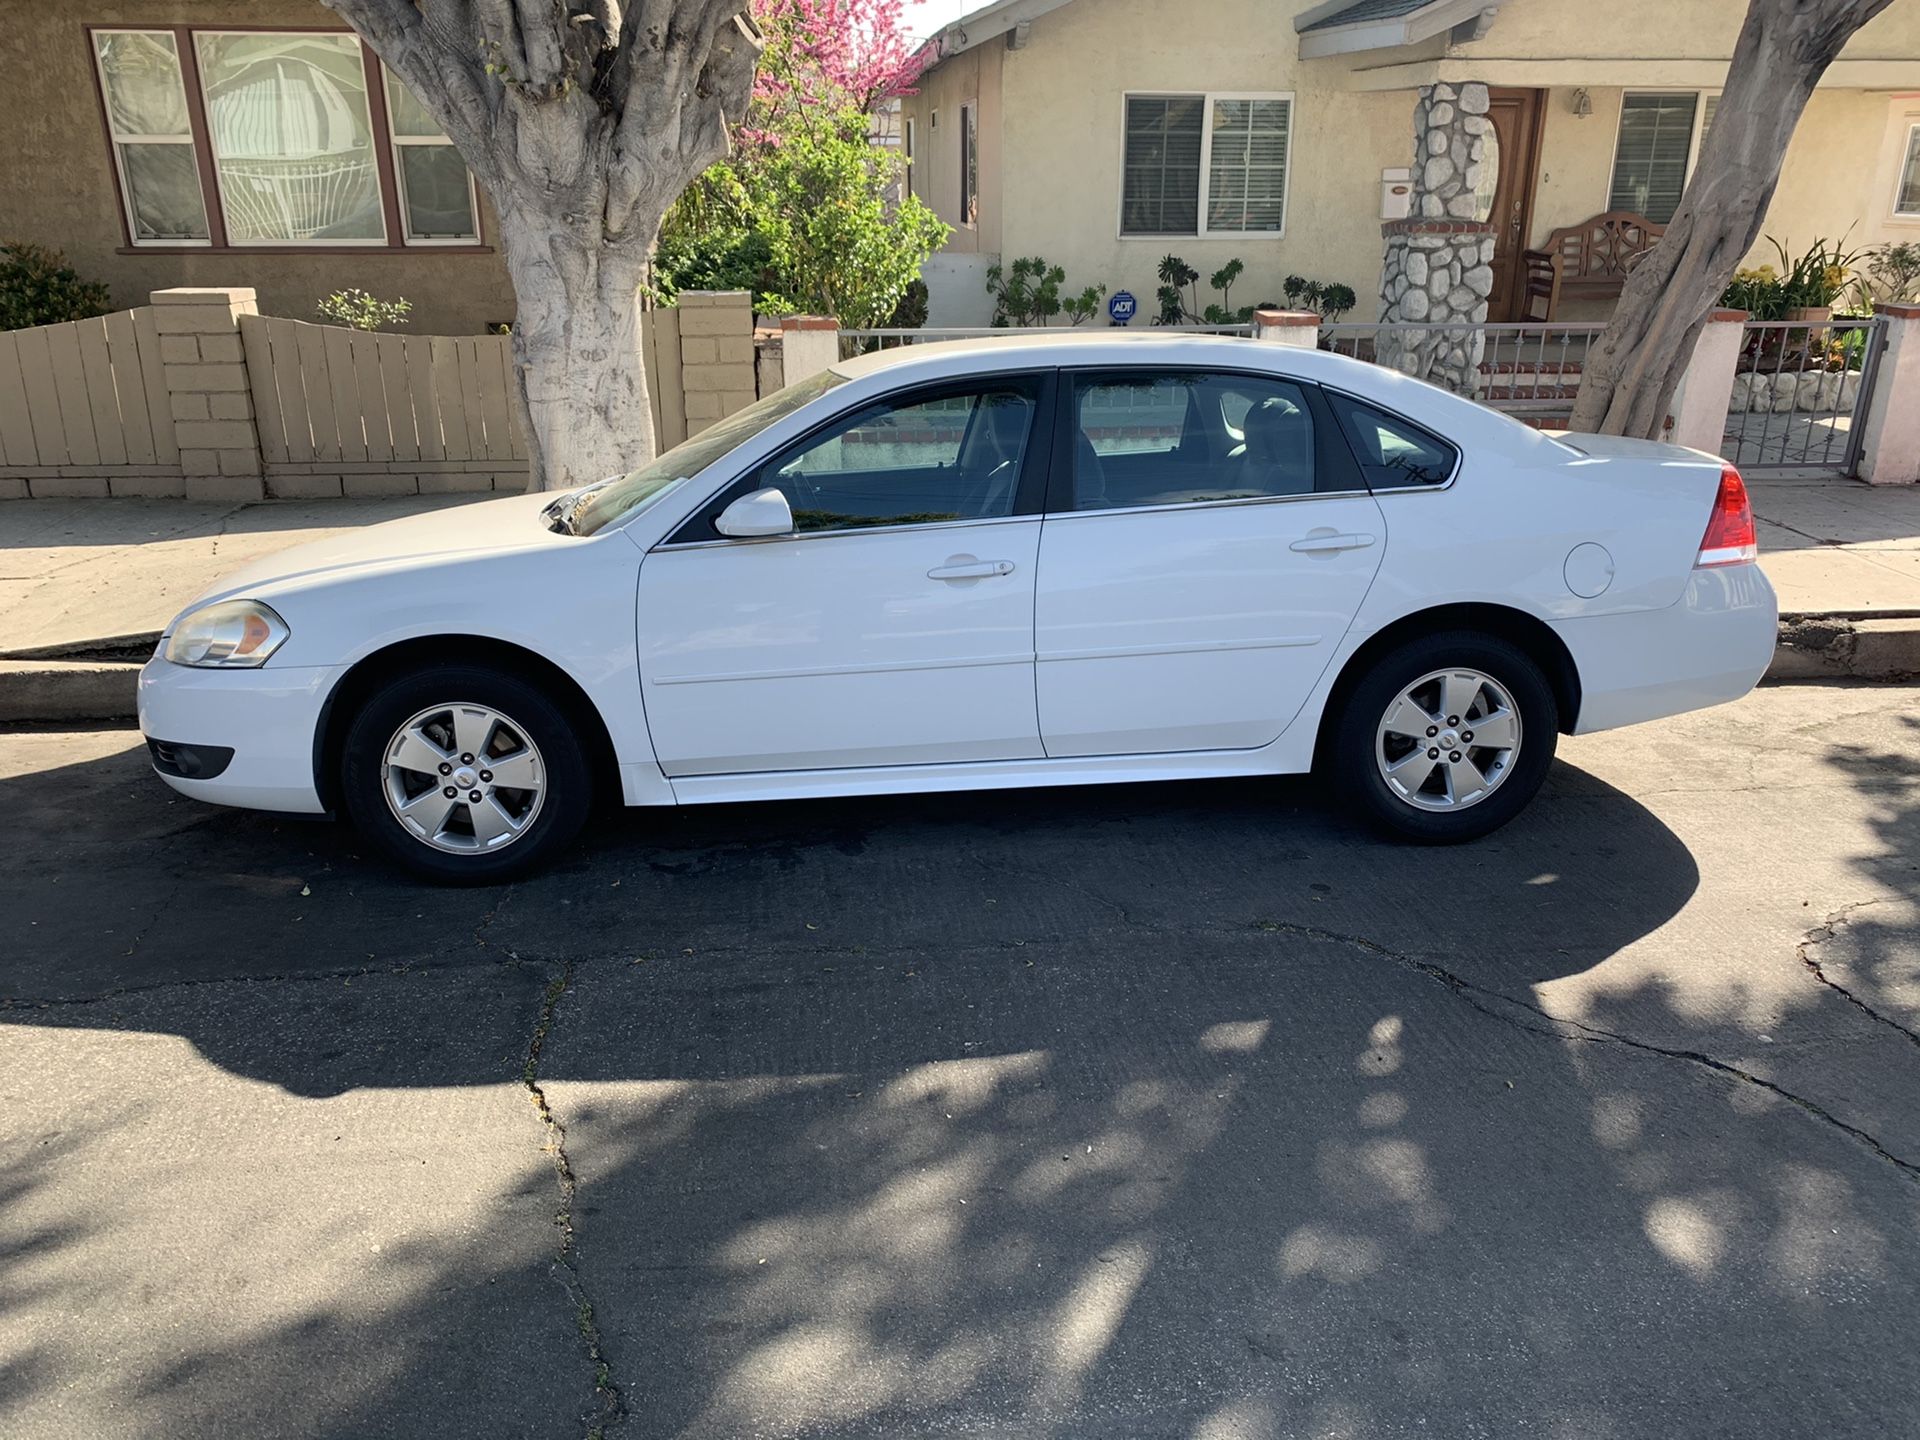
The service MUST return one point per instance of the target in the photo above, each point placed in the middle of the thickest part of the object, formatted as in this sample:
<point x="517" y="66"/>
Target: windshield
<point x="615" y="500"/>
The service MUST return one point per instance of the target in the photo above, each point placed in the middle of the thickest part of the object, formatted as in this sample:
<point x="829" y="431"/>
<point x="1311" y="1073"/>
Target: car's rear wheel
<point x="1446" y="737"/>
<point x="464" y="775"/>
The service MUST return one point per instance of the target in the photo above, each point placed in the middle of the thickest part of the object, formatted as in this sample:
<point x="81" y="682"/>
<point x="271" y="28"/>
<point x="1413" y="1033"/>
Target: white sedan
<point x="1033" y="561"/>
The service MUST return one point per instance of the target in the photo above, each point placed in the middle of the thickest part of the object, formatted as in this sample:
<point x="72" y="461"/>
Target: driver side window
<point x="925" y="460"/>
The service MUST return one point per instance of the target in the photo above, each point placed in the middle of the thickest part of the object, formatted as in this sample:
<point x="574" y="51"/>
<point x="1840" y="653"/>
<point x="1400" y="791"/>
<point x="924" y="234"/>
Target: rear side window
<point x="1394" y="453"/>
<point x="1143" y="439"/>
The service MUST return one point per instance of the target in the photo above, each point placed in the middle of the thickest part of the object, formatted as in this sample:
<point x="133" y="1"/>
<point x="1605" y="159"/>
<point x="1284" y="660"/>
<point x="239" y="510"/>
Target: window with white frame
<point x="1205" y="164"/>
<point x="1906" y="195"/>
<point x="152" y="138"/>
<point x="436" y="189"/>
<point x="302" y="147"/>
<point x="1661" y="132"/>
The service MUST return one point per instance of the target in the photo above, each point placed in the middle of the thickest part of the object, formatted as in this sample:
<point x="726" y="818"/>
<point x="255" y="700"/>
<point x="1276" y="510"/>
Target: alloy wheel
<point x="1448" y="740"/>
<point x="463" y="778"/>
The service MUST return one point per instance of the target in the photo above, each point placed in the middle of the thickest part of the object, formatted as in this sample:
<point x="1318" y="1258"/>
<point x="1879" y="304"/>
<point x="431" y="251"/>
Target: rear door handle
<point x="1320" y="544"/>
<point x="976" y="570"/>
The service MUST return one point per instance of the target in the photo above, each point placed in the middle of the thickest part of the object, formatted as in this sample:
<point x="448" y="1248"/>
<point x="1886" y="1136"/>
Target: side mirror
<point x="764" y="512"/>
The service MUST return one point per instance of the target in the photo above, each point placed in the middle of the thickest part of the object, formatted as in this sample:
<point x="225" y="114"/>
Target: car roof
<point x="1020" y="350"/>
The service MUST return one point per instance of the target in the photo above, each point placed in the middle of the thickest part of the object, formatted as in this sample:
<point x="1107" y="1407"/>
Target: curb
<point x="1841" y="647"/>
<point x="68" y="690"/>
<point x="1812" y="647"/>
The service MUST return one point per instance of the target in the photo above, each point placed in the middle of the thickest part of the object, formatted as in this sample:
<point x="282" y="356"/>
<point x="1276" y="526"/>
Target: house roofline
<point x="1387" y="33"/>
<point x="990" y="22"/>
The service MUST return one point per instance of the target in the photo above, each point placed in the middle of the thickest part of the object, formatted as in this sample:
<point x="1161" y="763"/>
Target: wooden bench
<point x="1588" y="261"/>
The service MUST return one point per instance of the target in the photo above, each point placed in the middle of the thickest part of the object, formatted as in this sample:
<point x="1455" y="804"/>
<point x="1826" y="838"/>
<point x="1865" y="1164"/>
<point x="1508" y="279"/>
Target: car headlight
<point x="238" y="634"/>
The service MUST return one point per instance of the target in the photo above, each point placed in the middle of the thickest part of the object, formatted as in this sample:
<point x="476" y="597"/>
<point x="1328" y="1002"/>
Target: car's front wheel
<point x="1447" y="737"/>
<point x="464" y="774"/>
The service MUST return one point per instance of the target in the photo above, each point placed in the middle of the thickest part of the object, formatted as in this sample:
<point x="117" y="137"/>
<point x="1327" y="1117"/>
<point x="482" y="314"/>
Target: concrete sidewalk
<point x="86" y="585"/>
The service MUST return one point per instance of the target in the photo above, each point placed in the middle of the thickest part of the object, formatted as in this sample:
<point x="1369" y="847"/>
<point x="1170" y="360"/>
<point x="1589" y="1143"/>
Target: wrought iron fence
<point x="863" y="342"/>
<point x="1800" y="394"/>
<point x="1530" y="369"/>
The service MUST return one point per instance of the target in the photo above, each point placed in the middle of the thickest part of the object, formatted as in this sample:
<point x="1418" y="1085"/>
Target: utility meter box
<point x="1396" y="193"/>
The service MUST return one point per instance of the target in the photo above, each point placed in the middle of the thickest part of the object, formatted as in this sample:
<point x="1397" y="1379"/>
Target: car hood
<point x="512" y="523"/>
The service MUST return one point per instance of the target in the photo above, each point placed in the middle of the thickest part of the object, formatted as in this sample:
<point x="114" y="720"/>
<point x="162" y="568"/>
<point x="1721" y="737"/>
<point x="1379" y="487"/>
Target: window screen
<point x="1161" y="183"/>
<point x="1650" y="161"/>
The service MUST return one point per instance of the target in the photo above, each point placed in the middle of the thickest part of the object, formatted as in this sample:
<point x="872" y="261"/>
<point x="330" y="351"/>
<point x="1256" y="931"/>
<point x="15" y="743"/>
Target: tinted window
<point x="1174" y="439"/>
<point x="956" y="456"/>
<point x="1393" y="452"/>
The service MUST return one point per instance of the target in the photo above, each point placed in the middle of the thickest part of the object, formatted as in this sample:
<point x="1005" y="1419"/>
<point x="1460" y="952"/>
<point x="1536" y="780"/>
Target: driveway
<point x="1158" y="1111"/>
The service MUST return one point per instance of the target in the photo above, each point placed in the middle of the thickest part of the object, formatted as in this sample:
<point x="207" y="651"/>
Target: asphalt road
<point x="1162" y="1111"/>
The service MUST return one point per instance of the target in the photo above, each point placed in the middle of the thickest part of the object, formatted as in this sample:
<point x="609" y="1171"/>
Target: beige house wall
<point x="1064" y="120"/>
<point x="1059" y="99"/>
<point x="974" y="76"/>
<point x="1840" y="170"/>
<point x="58" y="186"/>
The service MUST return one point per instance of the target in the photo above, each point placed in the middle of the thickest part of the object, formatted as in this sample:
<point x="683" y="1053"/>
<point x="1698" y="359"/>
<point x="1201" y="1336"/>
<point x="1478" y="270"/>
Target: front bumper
<point x="1709" y="647"/>
<point x="267" y="717"/>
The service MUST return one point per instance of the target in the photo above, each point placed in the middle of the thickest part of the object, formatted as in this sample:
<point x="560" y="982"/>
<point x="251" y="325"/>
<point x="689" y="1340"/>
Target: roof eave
<point x="989" y="22"/>
<point x="1389" y="34"/>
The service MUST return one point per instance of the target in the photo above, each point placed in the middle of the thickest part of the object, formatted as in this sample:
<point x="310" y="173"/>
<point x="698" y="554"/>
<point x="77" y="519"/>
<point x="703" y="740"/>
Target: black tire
<point x="564" y="802"/>
<point x="1356" y="773"/>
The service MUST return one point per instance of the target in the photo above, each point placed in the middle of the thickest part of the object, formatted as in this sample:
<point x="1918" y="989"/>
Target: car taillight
<point x="1730" y="537"/>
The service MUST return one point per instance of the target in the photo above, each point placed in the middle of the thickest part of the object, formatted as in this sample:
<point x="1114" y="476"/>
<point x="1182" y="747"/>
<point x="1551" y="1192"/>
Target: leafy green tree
<point x="804" y="211"/>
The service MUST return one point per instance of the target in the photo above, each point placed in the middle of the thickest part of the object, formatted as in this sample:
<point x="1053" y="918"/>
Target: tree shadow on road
<point x="1173" y="1110"/>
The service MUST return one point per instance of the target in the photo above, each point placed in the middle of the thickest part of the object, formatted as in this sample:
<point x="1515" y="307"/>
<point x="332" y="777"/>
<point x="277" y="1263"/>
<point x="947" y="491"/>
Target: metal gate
<point x="1800" y="394"/>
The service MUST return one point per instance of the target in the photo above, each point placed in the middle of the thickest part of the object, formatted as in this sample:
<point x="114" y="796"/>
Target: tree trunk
<point x="585" y="406"/>
<point x="582" y="121"/>
<point x="1783" y="49"/>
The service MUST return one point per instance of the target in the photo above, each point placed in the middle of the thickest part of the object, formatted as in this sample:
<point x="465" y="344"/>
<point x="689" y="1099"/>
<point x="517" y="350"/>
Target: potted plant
<point x="1815" y="280"/>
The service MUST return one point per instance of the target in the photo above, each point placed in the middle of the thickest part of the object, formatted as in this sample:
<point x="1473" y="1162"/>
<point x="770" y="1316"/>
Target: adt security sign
<point x="1121" y="305"/>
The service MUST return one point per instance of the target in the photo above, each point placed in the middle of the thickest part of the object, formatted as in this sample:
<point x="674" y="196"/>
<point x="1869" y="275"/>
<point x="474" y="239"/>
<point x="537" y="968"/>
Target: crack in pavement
<point x="1558" y="1028"/>
<point x="609" y="1405"/>
<point x="1827" y="931"/>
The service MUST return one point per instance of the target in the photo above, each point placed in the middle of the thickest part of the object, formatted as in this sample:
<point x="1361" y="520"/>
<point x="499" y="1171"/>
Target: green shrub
<point x="361" y="311"/>
<point x="1329" y="297"/>
<point x="1027" y="292"/>
<point x="38" y="287"/>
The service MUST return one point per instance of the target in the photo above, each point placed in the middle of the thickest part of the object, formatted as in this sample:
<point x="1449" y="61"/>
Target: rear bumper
<point x="267" y="718"/>
<point x="1709" y="647"/>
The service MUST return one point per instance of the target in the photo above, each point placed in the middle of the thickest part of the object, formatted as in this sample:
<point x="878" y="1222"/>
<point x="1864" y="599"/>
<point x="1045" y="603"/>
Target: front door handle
<point x="1321" y="544"/>
<point x="972" y="570"/>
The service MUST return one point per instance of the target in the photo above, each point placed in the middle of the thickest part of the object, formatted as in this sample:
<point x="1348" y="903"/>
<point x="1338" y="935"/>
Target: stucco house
<point x="1322" y="139"/>
<point x="237" y="142"/>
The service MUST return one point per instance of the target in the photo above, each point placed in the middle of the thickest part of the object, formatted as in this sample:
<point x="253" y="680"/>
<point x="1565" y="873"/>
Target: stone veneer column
<point x="206" y="378"/>
<point x="1438" y="267"/>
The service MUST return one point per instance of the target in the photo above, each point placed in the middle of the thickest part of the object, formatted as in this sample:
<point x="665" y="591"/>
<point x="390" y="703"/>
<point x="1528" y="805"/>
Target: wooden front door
<point x="1517" y="116"/>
